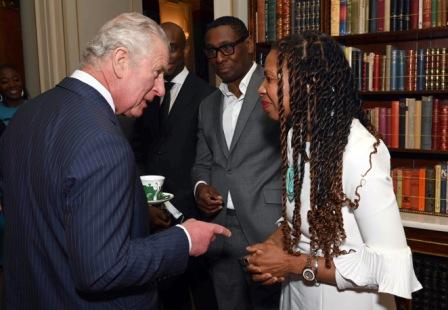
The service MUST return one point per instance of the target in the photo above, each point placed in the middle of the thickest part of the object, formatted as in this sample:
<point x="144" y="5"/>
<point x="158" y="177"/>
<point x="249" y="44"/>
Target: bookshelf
<point x="427" y="233"/>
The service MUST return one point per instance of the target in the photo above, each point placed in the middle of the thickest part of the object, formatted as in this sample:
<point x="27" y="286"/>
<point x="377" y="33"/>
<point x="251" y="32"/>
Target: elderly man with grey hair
<point x="77" y="234"/>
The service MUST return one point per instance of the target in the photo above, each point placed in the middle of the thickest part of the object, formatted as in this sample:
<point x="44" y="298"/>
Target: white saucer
<point x="166" y="197"/>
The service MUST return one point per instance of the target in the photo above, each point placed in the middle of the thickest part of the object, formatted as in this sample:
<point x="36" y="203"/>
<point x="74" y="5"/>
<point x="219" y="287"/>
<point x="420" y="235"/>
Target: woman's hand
<point x="268" y="262"/>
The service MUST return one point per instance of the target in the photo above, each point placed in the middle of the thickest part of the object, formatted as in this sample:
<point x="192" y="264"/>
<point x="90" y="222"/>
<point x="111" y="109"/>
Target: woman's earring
<point x="22" y="93"/>
<point x="1" y="98"/>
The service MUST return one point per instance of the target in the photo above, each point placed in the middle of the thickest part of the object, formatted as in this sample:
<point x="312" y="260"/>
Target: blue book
<point x="400" y="69"/>
<point x="426" y="132"/>
<point x="393" y="70"/>
<point x="372" y="15"/>
<point x="420" y="69"/>
<point x="393" y="15"/>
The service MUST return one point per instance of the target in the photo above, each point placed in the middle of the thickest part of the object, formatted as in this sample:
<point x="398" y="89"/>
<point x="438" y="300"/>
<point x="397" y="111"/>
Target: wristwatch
<point x="309" y="272"/>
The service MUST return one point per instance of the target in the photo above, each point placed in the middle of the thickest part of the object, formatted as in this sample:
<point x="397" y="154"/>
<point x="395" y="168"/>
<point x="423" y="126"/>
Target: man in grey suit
<point x="237" y="167"/>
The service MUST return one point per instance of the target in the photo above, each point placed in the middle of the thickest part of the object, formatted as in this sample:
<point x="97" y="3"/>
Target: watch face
<point x="308" y="274"/>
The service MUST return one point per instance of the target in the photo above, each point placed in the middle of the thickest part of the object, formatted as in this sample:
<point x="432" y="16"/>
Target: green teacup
<point x="152" y="185"/>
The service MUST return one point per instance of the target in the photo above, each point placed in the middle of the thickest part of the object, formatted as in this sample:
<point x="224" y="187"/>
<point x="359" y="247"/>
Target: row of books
<point x="276" y="19"/>
<point x="364" y="16"/>
<point x="413" y="124"/>
<point x="422" y="189"/>
<point x="399" y="70"/>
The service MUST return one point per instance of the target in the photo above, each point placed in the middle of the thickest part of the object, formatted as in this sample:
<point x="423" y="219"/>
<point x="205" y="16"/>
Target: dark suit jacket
<point x="77" y="229"/>
<point x="249" y="169"/>
<point x="169" y="149"/>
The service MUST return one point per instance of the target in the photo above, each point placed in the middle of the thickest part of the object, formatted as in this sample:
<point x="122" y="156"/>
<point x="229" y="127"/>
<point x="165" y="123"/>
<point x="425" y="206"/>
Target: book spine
<point x="421" y="189"/>
<point x="427" y="14"/>
<point x="430" y="190"/>
<point x="414" y="183"/>
<point x="410" y="102"/>
<point x="418" y="125"/>
<point x="406" y="14"/>
<point x="372" y="15"/>
<point x="406" y="199"/>
<point x="393" y="71"/>
<point x="420" y="69"/>
<point x="401" y="66"/>
<point x="410" y="72"/>
<point x="343" y="17"/>
<point x="437" y="173"/>
<point x="380" y="16"/>
<point x="376" y="72"/>
<point x="395" y="123"/>
<point x="402" y="124"/>
<point x="335" y="15"/>
<point x="442" y="141"/>
<point x="386" y="15"/>
<point x="442" y="70"/>
<point x="413" y="22"/>
<point x="261" y="31"/>
<point x="443" y="185"/>
<point x="399" y="187"/>
<point x="434" y="13"/>
<point x="426" y="140"/>
<point x="435" y="124"/>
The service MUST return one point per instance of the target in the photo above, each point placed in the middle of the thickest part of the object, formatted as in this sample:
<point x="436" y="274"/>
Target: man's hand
<point x="158" y="218"/>
<point x="208" y="199"/>
<point x="202" y="234"/>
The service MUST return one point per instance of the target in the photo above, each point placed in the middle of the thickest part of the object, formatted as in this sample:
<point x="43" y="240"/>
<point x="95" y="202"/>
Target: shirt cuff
<point x="196" y="185"/>
<point x="188" y="237"/>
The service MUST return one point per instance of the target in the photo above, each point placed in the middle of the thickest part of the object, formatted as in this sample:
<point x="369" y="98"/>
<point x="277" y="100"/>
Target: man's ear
<point x="120" y="61"/>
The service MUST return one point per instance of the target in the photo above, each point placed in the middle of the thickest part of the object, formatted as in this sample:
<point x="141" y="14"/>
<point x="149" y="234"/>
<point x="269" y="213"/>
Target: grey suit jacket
<point x="250" y="169"/>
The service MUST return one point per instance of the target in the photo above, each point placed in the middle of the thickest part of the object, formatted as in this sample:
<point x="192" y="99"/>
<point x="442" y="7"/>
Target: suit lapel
<point x="217" y="118"/>
<point x="249" y="103"/>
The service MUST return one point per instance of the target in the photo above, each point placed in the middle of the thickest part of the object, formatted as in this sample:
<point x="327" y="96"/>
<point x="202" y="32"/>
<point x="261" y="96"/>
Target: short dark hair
<point x="235" y="23"/>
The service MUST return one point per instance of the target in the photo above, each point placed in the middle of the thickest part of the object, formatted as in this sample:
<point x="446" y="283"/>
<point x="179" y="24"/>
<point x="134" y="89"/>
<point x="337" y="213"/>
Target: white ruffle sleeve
<point x="384" y="260"/>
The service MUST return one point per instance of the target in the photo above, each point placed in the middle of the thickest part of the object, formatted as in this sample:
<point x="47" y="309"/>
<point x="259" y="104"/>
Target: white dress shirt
<point x="177" y="81"/>
<point x="91" y="81"/>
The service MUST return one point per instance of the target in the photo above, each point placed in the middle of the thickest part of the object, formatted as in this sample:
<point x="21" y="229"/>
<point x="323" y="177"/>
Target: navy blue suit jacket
<point x="76" y="234"/>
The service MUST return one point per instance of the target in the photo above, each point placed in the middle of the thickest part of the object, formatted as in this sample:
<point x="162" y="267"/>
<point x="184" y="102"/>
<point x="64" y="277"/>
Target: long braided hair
<point x="323" y="103"/>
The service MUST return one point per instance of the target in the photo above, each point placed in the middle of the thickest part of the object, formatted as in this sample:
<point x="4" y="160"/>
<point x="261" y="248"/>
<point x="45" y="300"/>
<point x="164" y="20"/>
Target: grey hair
<point x="133" y="31"/>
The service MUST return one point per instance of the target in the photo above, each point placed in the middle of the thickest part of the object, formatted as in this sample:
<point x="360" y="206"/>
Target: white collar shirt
<point x="91" y="81"/>
<point x="231" y="110"/>
<point x="177" y="81"/>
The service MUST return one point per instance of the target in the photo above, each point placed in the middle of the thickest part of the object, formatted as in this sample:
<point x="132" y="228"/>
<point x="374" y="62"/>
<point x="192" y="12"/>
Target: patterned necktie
<point x="165" y="105"/>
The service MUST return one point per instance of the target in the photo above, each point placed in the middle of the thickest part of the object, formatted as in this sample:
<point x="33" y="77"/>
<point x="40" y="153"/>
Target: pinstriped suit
<point x="76" y="221"/>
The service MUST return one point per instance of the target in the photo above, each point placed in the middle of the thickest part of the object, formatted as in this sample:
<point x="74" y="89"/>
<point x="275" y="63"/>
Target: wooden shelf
<point x="396" y="36"/>
<point x="393" y="95"/>
<point x="417" y="154"/>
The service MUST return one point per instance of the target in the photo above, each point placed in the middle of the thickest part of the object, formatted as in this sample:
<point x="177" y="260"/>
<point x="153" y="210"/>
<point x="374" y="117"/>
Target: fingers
<point x="221" y="230"/>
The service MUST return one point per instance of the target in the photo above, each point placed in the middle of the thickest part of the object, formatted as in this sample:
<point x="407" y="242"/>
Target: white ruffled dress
<point x="381" y="265"/>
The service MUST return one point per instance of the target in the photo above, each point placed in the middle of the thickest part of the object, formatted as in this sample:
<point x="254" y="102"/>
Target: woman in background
<point x="12" y="92"/>
<point x="340" y="243"/>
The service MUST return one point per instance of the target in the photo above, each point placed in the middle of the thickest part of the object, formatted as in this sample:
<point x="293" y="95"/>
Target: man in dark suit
<point x="77" y="235"/>
<point x="237" y="167"/>
<point x="165" y="144"/>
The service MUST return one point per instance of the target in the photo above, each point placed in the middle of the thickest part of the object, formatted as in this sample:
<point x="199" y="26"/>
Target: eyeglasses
<point x="225" y="49"/>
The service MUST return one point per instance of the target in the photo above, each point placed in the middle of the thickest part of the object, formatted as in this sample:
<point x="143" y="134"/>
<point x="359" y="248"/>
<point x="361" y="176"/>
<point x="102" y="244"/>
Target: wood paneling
<point x="11" y="51"/>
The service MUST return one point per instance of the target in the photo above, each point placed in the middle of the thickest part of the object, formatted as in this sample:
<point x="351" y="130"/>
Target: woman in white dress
<point x="342" y="244"/>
